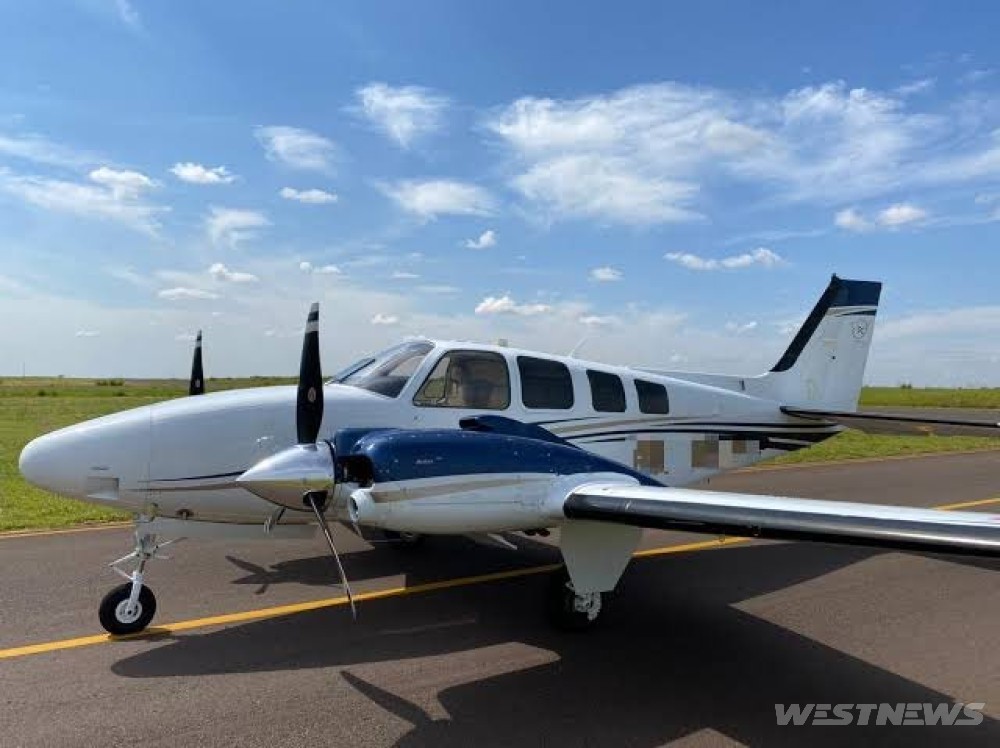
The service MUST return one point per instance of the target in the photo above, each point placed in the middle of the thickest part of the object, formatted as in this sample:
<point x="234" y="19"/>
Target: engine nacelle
<point x="458" y="481"/>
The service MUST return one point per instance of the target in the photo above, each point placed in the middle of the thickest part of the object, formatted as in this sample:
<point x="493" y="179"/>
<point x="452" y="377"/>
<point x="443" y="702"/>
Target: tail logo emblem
<point x="860" y="329"/>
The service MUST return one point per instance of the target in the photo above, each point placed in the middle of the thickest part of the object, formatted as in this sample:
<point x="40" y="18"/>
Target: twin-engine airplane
<point x="453" y="438"/>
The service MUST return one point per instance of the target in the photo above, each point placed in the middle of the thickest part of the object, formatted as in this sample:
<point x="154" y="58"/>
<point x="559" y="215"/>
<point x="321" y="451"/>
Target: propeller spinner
<point x="303" y="477"/>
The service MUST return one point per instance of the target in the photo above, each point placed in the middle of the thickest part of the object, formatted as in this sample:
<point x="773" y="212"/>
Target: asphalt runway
<point x="697" y="645"/>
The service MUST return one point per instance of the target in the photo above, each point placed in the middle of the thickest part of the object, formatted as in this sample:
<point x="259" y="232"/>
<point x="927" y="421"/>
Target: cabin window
<point x="545" y="384"/>
<point x="606" y="392"/>
<point x="652" y="397"/>
<point x="467" y="379"/>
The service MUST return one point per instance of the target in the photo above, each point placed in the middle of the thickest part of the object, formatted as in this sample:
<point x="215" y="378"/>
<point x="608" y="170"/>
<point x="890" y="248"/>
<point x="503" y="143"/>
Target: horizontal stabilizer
<point x="883" y="423"/>
<point x="749" y="515"/>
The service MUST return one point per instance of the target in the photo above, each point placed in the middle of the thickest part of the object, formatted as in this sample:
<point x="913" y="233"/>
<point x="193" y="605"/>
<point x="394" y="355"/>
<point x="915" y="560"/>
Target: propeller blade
<point x="197" y="384"/>
<point x="309" y="404"/>
<point x="321" y="518"/>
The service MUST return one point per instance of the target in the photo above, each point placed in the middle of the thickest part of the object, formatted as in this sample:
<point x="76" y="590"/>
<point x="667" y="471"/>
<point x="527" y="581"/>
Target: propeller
<point x="303" y="477"/>
<point x="197" y="384"/>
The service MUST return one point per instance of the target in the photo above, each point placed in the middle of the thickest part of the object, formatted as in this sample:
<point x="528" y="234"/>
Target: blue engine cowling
<point x="402" y="455"/>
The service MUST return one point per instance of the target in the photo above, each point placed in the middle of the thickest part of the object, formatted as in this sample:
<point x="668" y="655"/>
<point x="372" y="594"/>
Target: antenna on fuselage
<point x="578" y="346"/>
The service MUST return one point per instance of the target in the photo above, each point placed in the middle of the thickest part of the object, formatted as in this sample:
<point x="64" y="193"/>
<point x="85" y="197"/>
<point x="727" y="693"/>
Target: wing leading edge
<point x="749" y="515"/>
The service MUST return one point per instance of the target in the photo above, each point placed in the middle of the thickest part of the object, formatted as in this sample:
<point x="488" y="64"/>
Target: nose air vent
<point x="102" y="487"/>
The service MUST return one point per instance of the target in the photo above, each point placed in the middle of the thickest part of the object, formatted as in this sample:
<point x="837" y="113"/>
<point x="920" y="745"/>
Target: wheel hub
<point x="128" y="615"/>
<point x="589" y="604"/>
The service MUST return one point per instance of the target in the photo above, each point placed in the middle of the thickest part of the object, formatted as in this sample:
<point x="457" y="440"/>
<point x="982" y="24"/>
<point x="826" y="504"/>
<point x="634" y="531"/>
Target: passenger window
<point x="652" y="397"/>
<point x="606" y="392"/>
<point x="467" y="379"/>
<point x="545" y="384"/>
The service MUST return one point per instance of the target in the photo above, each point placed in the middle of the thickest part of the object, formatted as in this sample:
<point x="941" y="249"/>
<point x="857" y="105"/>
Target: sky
<point x="658" y="184"/>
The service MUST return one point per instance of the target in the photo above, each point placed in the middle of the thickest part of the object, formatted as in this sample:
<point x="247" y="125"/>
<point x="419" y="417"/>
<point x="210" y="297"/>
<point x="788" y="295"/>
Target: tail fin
<point x="825" y="362"/>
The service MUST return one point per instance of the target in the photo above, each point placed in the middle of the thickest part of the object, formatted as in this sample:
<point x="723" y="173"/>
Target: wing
<point x="883" y="423"/>
<point x="748" y="515"/>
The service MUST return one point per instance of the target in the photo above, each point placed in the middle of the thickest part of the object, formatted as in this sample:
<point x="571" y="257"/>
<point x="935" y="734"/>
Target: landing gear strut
<point x="567" y="609"/>
<point x="128" y="608"/>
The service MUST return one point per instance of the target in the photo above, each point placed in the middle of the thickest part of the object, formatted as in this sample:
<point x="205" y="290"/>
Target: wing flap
<point x="774" y="517"/>
<point x="884" y="423"/>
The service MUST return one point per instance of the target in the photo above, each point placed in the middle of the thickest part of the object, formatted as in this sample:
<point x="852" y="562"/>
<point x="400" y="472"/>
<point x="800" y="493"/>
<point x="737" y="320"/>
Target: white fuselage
<point x="180" y="458"/>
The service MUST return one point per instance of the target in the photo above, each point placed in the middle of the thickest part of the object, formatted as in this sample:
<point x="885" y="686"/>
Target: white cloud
<point x="741" y="327"/>
<point x="438" y="289"/>
<point x="221" y="273"/>
<point x="310" y="197"/>
<point x="188" y="171"/>
<point x="901" y="214"/>
<point x="404" y="275"/>
<point x="596" y="320"/>
<point x="605" y="274"/>
<point x="850" y="219"/>
<point x="891" y="217"/>
<point x="485" y="240"/>
<point x="84" y="200"/>
<point x="915" y="87"/>
<point x="640" y="155"/>
<point x="233" y="225"/>
<point x="180" y="292"/>
<point x="435" y="197"/>
<point x="506" y="305"/>
<point x="297" y="148"/>
<point x="128" y="13"/>
<point x="307" y="267"/>
<point x="87" y="333"/>
<point x="404" y="113"/>
<point x="385" y="319"/>
<point x="41" y="150"/>
<point x="606" y="189"/>
<point x="760" y="256"/>
<point x="122" y="183"/>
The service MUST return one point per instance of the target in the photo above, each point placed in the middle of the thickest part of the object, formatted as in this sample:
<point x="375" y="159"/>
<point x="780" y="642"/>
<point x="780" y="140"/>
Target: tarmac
<point x="254" y="646"/>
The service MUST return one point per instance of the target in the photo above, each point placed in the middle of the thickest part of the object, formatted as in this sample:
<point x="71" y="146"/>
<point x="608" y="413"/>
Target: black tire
<point x="406" y="541"/>
<point x="111" y="612"/>
<point x="561" y="599"/>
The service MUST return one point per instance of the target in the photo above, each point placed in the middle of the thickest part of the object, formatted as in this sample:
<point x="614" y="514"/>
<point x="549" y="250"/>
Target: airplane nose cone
<point x="37" y="461"/>
<point x="89" y="458"/>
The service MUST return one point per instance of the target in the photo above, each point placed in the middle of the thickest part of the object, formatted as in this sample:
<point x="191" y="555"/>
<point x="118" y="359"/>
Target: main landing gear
<point x="568" y="610"/>
<point x="128" y="608"/>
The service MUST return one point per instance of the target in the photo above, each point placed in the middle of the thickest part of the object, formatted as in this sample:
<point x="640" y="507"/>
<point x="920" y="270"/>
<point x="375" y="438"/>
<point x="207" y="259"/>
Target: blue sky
<point x="673" y="183"/>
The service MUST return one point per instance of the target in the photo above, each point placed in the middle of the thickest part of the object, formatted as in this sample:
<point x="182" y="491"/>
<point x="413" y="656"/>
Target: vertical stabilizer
<point x="824" y="365"/>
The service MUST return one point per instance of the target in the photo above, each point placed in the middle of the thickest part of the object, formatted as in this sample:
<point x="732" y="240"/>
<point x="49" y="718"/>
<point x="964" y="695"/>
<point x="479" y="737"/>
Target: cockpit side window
<point x="388" y="373"/>
<point x="467" y="379"/>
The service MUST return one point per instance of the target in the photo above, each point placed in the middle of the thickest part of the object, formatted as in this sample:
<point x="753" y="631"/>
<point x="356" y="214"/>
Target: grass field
<point x="33" y="406"/>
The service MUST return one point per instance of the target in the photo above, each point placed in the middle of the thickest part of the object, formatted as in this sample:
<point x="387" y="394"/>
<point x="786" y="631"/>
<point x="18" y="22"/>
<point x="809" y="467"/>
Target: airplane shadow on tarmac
<point x="671" y="657"/>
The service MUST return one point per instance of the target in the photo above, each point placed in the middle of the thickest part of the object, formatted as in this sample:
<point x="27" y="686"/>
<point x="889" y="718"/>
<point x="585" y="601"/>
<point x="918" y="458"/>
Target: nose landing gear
<point x="129" y="608"/>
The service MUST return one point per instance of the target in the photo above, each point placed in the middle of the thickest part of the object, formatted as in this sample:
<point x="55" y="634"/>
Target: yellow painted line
<point x="968" y="504"/>
<point x="11" y="534"/>
<point x="330" y="602"/>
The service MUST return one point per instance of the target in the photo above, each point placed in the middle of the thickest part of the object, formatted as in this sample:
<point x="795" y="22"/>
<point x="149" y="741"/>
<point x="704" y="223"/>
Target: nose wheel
<point x="129" y="608"/>
<point x="120" y="615"/>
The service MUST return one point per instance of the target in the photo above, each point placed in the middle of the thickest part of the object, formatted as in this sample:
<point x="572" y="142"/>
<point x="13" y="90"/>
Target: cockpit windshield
<point x="387" y="372"/>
